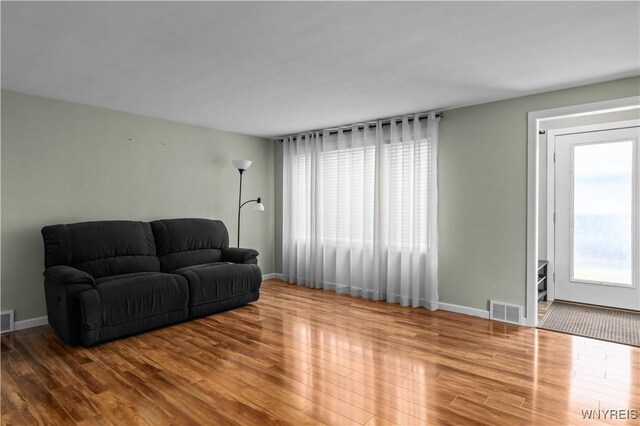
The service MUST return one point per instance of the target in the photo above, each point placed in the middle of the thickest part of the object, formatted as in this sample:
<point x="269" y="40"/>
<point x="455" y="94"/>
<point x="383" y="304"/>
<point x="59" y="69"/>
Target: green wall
<point x="482" y="172"/>
<point x="64" y="162"/>
<point x="482" y="178"/>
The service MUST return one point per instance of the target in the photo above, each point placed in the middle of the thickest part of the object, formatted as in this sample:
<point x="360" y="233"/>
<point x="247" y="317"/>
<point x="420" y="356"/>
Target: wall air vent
<point x="505" y="312"/>
<point x="6" y="321"/>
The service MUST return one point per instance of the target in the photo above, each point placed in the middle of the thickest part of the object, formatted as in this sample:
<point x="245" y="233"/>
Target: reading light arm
<point x="257" y="200"/>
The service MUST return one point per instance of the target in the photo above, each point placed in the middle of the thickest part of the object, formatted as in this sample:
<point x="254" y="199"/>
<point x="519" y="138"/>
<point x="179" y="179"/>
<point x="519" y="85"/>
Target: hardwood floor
<point x="543" y="307"/>
<point x="302" y="356"/>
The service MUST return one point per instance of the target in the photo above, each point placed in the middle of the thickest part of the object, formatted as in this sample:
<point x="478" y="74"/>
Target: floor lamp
<point x="242" y="166"/>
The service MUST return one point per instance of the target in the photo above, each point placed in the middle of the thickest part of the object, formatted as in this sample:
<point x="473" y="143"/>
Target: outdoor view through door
<point x="596" y="229"/>
<point x="602" y="212"/>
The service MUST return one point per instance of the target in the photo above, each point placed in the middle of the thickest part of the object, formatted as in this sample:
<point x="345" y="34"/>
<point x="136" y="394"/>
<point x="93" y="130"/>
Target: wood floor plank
<point x="326" y="416"/>
<point x="44" y="404"/>
<point x="12" y="399"/>
<point x="301" y="356"/>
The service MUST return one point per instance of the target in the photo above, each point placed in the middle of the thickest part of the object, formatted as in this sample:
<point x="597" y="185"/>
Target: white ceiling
<point x="272" y="68"/>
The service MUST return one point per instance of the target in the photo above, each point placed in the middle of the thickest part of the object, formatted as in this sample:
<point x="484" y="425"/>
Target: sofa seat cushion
<point x="191" y="268"/>
<point x="219" y="281"/>
<point x="134" y="296"/>
<point x="124" y="276"/>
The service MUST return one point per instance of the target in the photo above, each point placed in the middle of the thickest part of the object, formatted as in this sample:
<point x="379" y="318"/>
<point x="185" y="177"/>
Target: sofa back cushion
<point x="102" y="248"/>
<point x="186" y="242"/>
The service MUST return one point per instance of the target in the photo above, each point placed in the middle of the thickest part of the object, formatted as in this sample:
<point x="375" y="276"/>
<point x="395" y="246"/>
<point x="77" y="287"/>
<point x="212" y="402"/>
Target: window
<point x="359" y="211"/>
<point x="603" y="212"/>
<point x="345" y="181"/>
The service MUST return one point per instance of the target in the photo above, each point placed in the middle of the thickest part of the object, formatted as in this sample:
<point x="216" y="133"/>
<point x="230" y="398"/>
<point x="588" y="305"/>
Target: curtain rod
<point x="371" y="123"/>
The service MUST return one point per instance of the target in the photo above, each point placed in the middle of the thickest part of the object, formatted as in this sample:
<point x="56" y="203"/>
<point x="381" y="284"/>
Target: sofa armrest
<point x="240" y="255"/>
<point x="62" y="285"/>
<point x="67" y="275"/>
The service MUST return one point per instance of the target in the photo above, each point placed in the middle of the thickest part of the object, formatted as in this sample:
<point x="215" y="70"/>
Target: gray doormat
<point x="590" y="321"/>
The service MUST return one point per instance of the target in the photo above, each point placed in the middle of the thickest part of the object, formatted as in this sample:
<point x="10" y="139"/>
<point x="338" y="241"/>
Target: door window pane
<point x="603" y="212"/>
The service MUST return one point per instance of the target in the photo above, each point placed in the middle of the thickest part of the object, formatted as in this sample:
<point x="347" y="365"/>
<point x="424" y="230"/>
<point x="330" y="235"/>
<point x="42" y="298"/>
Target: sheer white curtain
<point x="359" y="211"/>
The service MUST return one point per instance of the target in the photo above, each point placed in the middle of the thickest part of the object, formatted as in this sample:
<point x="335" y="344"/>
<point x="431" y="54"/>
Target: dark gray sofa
<point x="109" y="279"/>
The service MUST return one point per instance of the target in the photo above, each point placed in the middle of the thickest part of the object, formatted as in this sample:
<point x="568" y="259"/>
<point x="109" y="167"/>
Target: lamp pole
<point x="239" y="204"/>
<point x="242" y="166"/>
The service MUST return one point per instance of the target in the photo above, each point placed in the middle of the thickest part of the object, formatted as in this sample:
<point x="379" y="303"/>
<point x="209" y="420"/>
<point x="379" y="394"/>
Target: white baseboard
<point x="463" y="310"/>
<point x="37" y="322"/>
<point x="273" y="276"/>
<point x="33" y="322"/>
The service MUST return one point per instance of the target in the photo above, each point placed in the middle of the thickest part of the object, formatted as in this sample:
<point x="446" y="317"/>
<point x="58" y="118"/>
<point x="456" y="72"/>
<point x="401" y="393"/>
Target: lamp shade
<point x="241" y="164"/>
<point x="259" y="206"/>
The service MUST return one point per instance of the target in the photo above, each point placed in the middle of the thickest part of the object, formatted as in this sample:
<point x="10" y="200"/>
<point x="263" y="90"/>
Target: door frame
<point x="533" y="128"/>
<point x="551" y="176"/>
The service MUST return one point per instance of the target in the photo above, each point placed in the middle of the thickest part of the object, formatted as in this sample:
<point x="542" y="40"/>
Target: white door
<point x="597" y="242"/>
